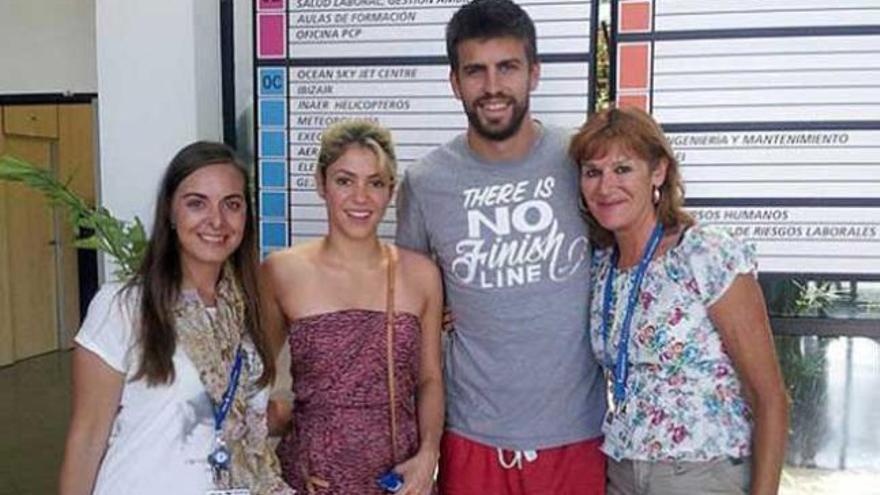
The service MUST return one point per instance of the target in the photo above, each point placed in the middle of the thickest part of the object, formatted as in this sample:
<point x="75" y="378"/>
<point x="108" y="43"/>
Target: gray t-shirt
<point x="513" y="249"/>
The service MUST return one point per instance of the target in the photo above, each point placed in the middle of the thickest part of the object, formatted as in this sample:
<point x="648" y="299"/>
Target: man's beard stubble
<point x="516" y="121"/>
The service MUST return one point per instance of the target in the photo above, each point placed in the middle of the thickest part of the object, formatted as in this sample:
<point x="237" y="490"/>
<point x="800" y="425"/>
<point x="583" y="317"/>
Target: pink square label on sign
<point x="270" y="5"/>
<point x="271" y="39"/>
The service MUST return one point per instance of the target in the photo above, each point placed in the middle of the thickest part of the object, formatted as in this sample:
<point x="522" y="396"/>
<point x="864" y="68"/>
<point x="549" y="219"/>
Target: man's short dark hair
<point x="486" y="19"/>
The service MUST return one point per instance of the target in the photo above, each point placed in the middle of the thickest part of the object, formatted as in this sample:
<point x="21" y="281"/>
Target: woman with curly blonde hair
<point x="362" y="319"/>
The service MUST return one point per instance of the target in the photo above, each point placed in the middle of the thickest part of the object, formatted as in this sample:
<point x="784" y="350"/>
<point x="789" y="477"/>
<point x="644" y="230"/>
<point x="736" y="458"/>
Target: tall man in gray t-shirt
<point x="497" y="207"/>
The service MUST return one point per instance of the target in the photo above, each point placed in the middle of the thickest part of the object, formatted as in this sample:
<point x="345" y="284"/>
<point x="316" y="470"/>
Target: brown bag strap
<point x="391" y="253"/>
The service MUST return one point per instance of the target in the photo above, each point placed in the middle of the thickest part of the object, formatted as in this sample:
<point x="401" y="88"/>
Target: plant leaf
<point x="123" y="241"/>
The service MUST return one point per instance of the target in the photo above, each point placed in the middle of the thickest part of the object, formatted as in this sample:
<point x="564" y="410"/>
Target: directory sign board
<point x="773" y="108"/>
<point x="320" y="61"/>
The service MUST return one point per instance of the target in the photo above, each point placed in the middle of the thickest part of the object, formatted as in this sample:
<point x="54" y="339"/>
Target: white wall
<point x="159" y="89"/>
<point x="47" y="46"/>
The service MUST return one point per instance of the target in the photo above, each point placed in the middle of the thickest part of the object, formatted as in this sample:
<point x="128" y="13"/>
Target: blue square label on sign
<point x="272" y="113"/>
<point x="272" y="81"/>
<point x="273" y="174"/>
<point x="272" y="143"/>
<point x="273" y="234"/>
<point x="273" y="204"/>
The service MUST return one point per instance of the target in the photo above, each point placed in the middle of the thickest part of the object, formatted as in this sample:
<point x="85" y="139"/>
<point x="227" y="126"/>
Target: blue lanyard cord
<point x="621" y="365"/>
<point x="221" y="412"/>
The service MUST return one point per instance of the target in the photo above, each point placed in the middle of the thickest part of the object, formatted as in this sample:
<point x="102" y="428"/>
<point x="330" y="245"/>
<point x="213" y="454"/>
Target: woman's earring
<point x="655" y="195"/>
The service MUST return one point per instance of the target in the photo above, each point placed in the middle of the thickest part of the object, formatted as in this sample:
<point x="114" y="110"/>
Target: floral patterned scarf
<point x="211" y="340"/>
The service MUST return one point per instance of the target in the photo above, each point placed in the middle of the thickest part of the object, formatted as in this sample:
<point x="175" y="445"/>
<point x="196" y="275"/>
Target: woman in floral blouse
<point x="696" y="402"/>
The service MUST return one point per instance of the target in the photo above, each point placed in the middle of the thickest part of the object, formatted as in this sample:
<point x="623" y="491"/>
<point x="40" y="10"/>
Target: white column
<point x="158" y="89"/>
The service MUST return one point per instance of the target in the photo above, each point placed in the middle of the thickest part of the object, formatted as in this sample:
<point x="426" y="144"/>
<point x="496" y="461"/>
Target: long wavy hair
<point x="160" y="274"/>
<point x="633" y="131"/>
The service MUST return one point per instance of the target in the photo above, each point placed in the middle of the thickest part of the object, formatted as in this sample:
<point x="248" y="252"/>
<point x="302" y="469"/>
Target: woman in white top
<point x="171" y="368"/>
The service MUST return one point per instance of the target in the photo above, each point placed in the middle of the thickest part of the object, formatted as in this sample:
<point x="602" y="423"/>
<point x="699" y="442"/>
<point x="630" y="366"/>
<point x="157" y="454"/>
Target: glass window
<point x="828" y="342"/>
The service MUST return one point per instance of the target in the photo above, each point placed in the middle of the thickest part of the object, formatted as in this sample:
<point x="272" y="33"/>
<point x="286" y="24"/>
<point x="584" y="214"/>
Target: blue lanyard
<point x="221" y="412"/>
<point x="621" y="365"/>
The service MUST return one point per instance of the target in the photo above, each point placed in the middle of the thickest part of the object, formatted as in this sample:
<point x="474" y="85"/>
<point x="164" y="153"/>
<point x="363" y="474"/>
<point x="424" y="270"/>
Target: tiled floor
<point x="34" y="410"/>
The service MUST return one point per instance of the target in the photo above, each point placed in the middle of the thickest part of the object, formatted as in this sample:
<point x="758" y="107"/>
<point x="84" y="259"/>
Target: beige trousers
<point x="724" y="476"/>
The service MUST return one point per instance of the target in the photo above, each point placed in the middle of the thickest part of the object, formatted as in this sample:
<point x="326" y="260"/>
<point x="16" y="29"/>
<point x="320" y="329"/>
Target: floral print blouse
<point x="683" y="398"/>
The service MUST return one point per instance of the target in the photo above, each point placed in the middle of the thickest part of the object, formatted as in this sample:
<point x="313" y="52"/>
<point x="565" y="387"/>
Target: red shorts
<point x="471" y="468"/>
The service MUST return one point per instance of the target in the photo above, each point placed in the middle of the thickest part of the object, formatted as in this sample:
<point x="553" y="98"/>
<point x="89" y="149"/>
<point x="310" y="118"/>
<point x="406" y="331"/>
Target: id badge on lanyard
<point x="220" y="457"/>
<point x="616" y="371"/>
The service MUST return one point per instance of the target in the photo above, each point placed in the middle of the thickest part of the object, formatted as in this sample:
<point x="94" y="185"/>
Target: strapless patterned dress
<point x="340" y="440"/>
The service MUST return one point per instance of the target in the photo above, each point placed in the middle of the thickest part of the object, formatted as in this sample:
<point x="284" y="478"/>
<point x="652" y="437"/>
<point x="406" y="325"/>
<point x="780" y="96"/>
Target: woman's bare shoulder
<point x="291" y="263"/>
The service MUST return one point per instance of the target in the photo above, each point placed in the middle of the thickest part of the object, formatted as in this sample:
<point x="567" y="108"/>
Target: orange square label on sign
<point x="638" y="101"/>
<point x="633" y="66"/>
<point x="635" y="17"/>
